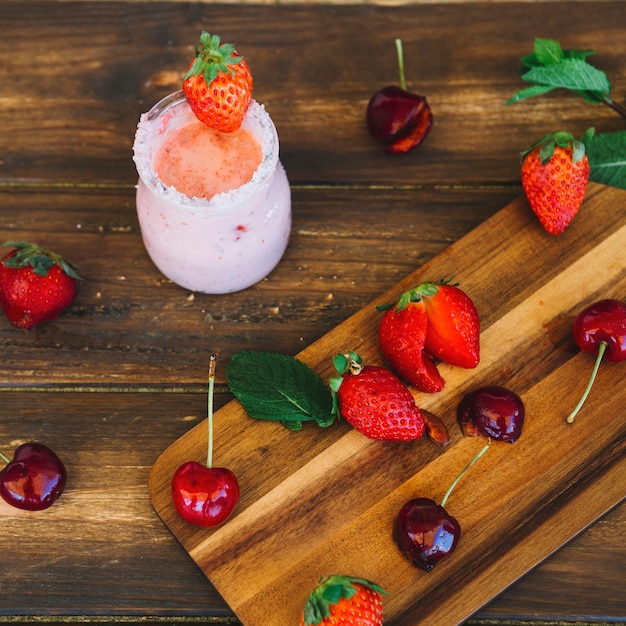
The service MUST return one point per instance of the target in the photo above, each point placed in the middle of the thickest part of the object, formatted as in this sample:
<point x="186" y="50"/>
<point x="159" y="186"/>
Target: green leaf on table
<point x="550" y="67"/>
<point x="607" y="158"/>
<point x="278" y="387"/>
<point x="549" y="51"/>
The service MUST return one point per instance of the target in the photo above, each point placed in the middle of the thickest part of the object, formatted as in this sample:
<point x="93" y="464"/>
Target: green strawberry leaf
<point x="277" y="387"/>
<point x="607" y="158"/>
<point x="38" y="258"/>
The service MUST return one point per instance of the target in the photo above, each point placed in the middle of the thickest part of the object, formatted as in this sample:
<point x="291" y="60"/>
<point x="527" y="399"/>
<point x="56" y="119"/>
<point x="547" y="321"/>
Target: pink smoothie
<point x="214" y="211"/>
<point x="202" y="162"/>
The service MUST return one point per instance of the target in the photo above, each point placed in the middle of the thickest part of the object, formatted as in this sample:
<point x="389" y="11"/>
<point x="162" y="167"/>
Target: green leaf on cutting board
<point x="278" y="387"/>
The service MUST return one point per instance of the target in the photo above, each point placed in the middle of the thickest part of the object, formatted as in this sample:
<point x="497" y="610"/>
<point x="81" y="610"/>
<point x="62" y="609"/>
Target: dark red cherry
<point x="602" y="322"/>
<point x="600" y="329"/>
<point x="393" y="112"/>
<point x="425" y="533"/>
<point x="398" y="117"/>
<point x="34" y="479"/>
<point x="493" y="411"/>
<point x="204" y="496"/>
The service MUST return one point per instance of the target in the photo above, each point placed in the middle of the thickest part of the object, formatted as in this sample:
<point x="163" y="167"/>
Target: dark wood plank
<point x="66" y="177"/>
<point x="101" y="549"/>
<point x="73" y="113"/>
<point x="129" y="325"/>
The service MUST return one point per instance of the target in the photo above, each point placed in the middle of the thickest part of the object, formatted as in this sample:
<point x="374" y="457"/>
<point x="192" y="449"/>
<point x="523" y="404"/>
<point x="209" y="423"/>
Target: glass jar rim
<point x="256" y="119"/>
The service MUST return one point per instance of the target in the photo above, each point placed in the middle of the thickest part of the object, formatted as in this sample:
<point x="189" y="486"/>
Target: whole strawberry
<point x="36" y="285"/>
<point x="218" y="84"/>
<point x="555" y="173"/>
<point x="344" y="601"/>
<point x="374" y="401"/>
<point x="431" y="321"/>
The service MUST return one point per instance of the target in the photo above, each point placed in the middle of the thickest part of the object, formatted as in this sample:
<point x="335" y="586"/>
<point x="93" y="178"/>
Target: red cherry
<point x="600" y="329"/>
<point x="424" y="531"/>
<point x="602" y="322"/>
<point x="398" y="117"/>
<point x="493" y="411"/>
<point x="34" y="479"/>
<point x="204" y="496"/>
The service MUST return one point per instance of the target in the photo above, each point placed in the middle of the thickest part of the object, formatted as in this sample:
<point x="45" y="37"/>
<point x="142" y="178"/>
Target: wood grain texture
<point x="82" y="130"/>
<point x="121" y="375"/>
<point x="129" y="324"/>
<point x="315" y="504"/>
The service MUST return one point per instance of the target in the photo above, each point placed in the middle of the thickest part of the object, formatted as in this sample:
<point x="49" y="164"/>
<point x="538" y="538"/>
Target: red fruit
<point x="218" y="84"/>
<point x="555" y="173"/>
<point x="34" y="479"/>
<point x="375" y="401"/>
<point x="402" y="337"/>
<point x="602" y="322"/>
<point x="398" y="117"/>
<point x="453" y="331"/>
<point x="344" y="601"/>
<point x="36" y="285"/>
<point x="433" y="320"/>
<point x="493" y="411"/>
<point x="204" y="496"/>
<point x="600" y="329"/>
<point x="424" y="531"/>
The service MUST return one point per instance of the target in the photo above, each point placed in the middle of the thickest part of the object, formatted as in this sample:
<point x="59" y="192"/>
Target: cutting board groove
<point x="322" y="501"/>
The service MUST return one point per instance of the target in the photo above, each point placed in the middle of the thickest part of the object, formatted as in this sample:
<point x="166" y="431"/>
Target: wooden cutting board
<point x="317" y="502"/>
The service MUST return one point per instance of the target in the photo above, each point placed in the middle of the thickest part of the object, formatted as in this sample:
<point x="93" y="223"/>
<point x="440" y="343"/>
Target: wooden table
<point x="121" y="374"/>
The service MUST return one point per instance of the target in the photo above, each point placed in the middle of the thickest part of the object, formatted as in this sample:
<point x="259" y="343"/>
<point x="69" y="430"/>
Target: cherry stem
<point x="456" y="480"/>
<point x="401" y="63"/>
<point x="601" y="350"/>
<point x="4" y="457"/>
<point x="212" y="364"/>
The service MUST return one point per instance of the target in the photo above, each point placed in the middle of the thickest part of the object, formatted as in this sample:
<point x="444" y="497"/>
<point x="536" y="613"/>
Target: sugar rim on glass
<point x="256" y="117"/>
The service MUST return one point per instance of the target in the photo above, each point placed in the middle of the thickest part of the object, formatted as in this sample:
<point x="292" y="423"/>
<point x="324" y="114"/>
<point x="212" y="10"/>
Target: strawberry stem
<point x="601" y="350"/>
<point x="212" y="364"/>
<point x="456" y="480"/>
<point x="401" y="63"/>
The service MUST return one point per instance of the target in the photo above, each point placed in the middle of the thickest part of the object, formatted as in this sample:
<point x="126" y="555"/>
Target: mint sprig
<point x="551" y="67"/>
<point x="278" y="387"/>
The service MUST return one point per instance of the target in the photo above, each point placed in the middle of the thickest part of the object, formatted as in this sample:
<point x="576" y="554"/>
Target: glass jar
<point x="222" y="244"/>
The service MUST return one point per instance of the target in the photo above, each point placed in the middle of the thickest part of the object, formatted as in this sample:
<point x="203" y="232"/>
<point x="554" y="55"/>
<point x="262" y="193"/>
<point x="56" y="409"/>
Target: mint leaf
<point x="548" y="51"/>
<point x="529" y="92"/>
<point x="570" y="74"/>
<point x="278" y="387"/>
<point x="550" y="67"/>
<point x="607" y="158"/>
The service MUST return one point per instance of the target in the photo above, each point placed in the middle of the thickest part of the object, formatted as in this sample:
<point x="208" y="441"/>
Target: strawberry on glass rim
<point x="218" y="84"/>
